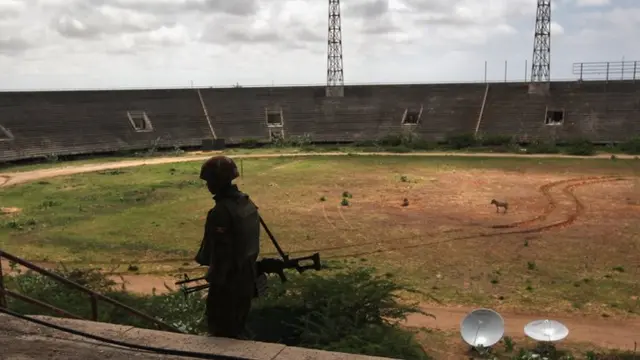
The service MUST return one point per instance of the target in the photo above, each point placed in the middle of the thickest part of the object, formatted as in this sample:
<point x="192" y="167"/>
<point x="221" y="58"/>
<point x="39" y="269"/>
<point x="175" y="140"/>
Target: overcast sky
<point x="55" y="44"/>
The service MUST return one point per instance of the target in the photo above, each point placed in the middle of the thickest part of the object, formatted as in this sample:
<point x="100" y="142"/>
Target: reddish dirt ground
<point x="9" y="210"/>
<point x="597" y="331"/>
<point x="545" y="203"/>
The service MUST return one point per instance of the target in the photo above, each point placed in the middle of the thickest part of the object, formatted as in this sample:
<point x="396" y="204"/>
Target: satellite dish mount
<point x="547" y="333"/>
<point x="481" y="329"/>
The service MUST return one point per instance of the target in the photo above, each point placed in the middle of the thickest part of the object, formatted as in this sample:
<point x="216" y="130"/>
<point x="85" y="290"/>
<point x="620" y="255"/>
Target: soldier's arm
<point x="219" y="237"/>
<point x="203" y="257"/>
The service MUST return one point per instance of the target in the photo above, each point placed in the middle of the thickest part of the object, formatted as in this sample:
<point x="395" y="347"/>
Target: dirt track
<point x="618" y="334"/>
<point x="8" y="179"/>
<point x="602" y="332"/>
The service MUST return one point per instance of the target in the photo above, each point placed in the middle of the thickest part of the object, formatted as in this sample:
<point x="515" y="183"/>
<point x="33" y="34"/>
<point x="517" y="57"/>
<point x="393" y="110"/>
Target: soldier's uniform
<point x="230" y="248"/>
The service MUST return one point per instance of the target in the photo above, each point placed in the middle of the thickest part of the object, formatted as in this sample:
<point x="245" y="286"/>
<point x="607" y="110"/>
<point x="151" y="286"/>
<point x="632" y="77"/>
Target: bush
<point x="401" y="143"/>
<point x="174" y="310"/>
<point x="542" y="147"/>
<point x="293" y="141"/>
<point x="400" y="149"/>
<point x="392" y="140"/>
<point x="581" y="147"/>
<point x="365" y="143"/>
<point x="631" y="147"/>
<point x="496" y="140"/>
<point x="463" y="141"/>
<point x="250" y="143"/>
<point x="352" y="311"/>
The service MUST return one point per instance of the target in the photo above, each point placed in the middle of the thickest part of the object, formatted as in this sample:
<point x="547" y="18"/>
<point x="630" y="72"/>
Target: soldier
<point x="230" y="249"/>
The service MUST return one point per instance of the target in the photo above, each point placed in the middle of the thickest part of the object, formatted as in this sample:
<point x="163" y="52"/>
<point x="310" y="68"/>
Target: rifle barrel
<point x="187" y="281"/>
<point x="195" y="288"/>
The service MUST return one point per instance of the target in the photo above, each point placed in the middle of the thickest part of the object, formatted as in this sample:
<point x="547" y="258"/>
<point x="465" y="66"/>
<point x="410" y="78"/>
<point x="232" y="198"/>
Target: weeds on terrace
<point x="293" y="141"/>
<point x="304" y="142"/>
<point x="353" y="311"/>
<point x="407" y="142"/>
<point x="631" y="147"/>
<point x="399" y="143"/>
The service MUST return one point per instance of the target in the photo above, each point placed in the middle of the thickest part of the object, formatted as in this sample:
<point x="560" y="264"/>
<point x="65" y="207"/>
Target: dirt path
<point x="614" y="334"/>
<point x="602" y="332"/>
<point x="8" y="179"/>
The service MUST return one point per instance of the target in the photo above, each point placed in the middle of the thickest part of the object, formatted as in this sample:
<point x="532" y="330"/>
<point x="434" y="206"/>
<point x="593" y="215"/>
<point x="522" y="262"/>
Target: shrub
<point x="496" y="140"/>
<point x="365" y="143"/>
<point x="391" y="140"/>
<point x="463" y="141"/>
<point x="400" y="149"/>
<point x="350" y="311"/>
<point x="249" y="143"/>
<point x="542" y="147"/>
<point x="353" y="311"/>
<point x="402" y="143"/>
<point x="580" y="147"/>
<point x="296" y="141"/>
<point x="631" y="147"/>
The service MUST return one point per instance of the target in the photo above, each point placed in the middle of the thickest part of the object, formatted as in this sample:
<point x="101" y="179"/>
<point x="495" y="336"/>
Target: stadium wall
<point x="36" y="124"/>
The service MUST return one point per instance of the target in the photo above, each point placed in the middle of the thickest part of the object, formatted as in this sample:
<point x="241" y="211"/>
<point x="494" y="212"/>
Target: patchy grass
<point x="389" y="144"/>
<point x="149" y="220"/>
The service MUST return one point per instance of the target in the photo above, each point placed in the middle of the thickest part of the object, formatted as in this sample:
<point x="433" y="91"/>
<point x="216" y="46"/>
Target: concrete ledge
<point x="17" y="334"/>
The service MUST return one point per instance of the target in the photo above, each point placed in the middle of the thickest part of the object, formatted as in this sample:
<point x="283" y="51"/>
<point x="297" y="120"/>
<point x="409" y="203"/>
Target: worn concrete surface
<point x="23" y="340"/>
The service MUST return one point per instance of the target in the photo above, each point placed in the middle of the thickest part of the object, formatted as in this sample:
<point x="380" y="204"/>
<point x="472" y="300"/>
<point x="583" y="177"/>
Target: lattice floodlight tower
<point x="335" y="75"/>
<point x="541" y="63"/>
<point x="481" y="329"/>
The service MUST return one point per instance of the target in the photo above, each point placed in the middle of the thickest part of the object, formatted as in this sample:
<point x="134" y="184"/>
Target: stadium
<point x="100" y="193"/>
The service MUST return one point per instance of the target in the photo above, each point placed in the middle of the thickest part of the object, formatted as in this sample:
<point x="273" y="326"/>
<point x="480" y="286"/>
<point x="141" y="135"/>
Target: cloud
<point x="13" y="45"/>
<point x="92" y="23"/>
<point x="166" y="42"/>
<point x="236" y="7"/>
<point x="10" y="8"/>
<point x="588" y="3"/>
<point x="368" y="9"/>
<point x="556" y="29"/>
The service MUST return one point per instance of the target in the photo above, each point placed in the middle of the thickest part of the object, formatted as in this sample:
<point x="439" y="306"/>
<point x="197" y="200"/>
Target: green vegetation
<point x="344" y="310"/>
<point x="149" y="219"/>
<point x="393" y="143"/>
<point x="631" y="147"/>
<point x="156" y="212"/>
<point x="353" y="311"/>
<point x="407" y="142"/>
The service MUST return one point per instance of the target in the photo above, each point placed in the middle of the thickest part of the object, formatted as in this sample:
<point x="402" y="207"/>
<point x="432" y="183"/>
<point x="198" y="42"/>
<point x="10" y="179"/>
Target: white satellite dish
<point x="546" y="330"/>
<point x="482" y="328"/>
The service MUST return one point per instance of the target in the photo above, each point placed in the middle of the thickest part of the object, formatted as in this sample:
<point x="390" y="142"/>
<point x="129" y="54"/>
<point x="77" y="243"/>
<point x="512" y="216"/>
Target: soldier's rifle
<point x="265" y="266"/>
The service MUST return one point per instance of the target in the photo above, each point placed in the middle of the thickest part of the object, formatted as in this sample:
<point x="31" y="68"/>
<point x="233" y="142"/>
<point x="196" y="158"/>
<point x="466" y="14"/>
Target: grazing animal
<point x="500" y="204"/>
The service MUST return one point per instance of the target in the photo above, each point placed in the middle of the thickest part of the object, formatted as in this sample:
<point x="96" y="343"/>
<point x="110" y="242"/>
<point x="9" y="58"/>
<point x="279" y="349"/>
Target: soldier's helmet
<point x="219" y="169"/>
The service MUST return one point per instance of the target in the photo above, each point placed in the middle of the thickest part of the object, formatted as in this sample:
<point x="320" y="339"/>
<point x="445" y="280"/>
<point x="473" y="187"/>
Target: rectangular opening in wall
<point x="412" y="116"/>
<point x="554" y="117"/>
<point x="276" y="135"/>
<point x="140" y="121"/>
<point x="274" y="118"/>
<point x="5" y="135"/>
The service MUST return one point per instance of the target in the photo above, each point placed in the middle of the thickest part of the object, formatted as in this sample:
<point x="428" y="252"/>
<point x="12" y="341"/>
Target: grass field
<point x="568" y="243"/>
